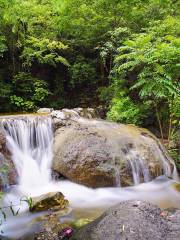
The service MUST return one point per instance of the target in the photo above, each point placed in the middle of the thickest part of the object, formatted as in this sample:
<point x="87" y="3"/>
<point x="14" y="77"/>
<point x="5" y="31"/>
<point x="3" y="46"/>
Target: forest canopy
<point x="119" y="54"/>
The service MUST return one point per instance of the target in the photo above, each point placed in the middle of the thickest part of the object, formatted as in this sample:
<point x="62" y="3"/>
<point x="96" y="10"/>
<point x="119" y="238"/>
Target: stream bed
<point x="30" y="142"/>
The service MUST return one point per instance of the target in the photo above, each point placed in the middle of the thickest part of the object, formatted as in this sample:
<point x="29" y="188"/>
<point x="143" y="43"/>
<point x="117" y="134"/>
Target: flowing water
<point x="30" y="142"/>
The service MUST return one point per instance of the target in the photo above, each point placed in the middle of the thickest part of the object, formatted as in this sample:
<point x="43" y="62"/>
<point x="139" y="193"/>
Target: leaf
<point x="12" y="210"/>
<point x="29" y="201"/>
<point x="3" y="213"/>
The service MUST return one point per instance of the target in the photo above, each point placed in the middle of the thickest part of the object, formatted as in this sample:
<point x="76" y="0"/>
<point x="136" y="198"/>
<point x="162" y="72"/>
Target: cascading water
<point x="30" y="142"/>
<point x="139" y="168"/>
<point x="136" y="151"/>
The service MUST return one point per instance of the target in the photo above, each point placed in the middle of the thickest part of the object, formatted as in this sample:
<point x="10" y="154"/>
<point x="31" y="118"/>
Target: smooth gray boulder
<point x="130" y="220"/>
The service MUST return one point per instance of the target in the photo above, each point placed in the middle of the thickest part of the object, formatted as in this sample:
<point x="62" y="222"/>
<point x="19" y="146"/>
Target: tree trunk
<point x="159" y="122"/>
<point x="102" y="71"/>
<point x="170" y="122"/>
<point x="170" y="129"/>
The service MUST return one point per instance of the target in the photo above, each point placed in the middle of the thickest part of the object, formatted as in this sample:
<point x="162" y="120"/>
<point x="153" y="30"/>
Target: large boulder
<point x="174" y="226"/>
<point x="132" y="220"/>
<point x="49" y="201"/>
<point x="97" y="153"/>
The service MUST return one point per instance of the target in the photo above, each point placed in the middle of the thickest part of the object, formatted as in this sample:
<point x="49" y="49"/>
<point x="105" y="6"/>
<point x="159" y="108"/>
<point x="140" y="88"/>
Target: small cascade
<point x="138" y="167"/>
<point x="136" y="150"/>
<point x="30" y="142"/>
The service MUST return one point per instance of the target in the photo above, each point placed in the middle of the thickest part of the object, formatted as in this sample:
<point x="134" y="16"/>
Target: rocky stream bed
<point x="114" y="165"/>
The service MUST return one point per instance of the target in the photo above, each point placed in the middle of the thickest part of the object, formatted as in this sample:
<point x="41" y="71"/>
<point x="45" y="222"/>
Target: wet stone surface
<point x="132" y="220"/>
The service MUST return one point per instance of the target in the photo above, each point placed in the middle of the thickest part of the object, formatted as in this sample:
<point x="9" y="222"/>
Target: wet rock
<point x="82" y="158"/>
<point x="57" y="114"/>
<point x="174" y="226"/>
<point x="57" y="176"/>
<point x="88" y="113"/>
<point x="176" y="186"/>
<point x="66" y="117"/>
<point x="81" y="222"/>
<point x="45" y="110"/>
<point x="132" y="220"/>
<point x="98" y="153"/>
<point x="8" y="174"/>
<point x="51" y="224"/>
<point x="46" y="235"/>
<point x="49" y="201"/>
<point x="65" y="233"/>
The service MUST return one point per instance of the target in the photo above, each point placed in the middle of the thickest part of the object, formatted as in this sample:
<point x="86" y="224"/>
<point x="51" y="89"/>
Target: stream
<point x="30" y="143"/>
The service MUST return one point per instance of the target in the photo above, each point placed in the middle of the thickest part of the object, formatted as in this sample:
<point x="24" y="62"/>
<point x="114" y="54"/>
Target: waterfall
<point x="138" y="167"/>
<point x="30" y="143"/>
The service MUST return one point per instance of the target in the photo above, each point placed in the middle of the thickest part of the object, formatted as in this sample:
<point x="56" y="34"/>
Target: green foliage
<point x="30" y="91"/>
<point x="123" y="55"/>
<point x="5" y="92"/>
<point x="3" y="46"/>
<point x="124" y="110"/>
<point x="44" y="51"/>
<point x="30" y="40"/>
<point x="175" y="110"/>
<point x="175" y="133"/>
<point x="116" y="38"/>
<point x="28" y="200"/>
<point x="175" y="154"/>
<point x="156" y="56"/>
<point x="13" y="207"/>
<point x="82" y="72"/>
<point x="151" y="60"/>
<point x="106" y="94"/>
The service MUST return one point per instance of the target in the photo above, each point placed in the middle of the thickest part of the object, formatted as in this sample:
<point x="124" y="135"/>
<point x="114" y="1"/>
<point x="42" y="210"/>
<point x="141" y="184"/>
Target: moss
<point x="176" y="186"/>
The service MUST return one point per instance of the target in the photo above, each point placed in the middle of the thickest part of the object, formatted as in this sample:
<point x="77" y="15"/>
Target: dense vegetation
<point x="120" y="54"/>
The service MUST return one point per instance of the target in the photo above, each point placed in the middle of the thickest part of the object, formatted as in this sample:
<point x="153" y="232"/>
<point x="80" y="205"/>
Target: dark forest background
<point x="120" y="55"/>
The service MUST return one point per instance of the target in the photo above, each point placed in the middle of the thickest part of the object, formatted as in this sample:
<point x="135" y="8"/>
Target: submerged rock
<point x="98" y="153"/>
<point x="49" y="201"/>
<point x="46" y="235"/>
<point x="176" y="186"/>
<point x="132" y="220"/>
<point x="65" y="233"/>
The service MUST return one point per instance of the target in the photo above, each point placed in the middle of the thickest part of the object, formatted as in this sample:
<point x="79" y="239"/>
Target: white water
<point x="135" y="157"/>
<point x="30" y="142"/>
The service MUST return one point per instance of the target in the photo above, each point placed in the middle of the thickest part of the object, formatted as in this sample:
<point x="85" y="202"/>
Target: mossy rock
<point x="80" y="223"/>
<point x="49" y="201"/>
<point x="176" y="186"/>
